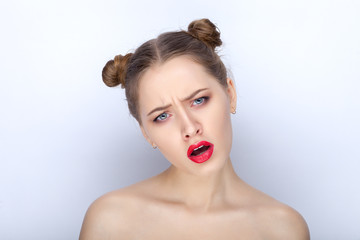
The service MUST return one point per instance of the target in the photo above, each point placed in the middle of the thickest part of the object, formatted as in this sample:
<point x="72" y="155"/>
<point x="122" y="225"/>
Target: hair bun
<point x="114" y="72"/>
<point x="205" y="31"/>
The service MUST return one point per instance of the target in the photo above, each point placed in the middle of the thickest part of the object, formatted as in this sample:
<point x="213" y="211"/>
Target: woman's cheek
<point x="165" y="134"/>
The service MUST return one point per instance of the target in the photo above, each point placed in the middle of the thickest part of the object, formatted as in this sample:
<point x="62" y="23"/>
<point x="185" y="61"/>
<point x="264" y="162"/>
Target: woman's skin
<point x="190" y="200"/>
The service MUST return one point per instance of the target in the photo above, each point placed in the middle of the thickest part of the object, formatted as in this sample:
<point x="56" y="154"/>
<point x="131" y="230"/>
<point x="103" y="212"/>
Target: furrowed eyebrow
<point x="194" y="94"/>
<point x="159" y="109"/>
<point x="185" y="99"/>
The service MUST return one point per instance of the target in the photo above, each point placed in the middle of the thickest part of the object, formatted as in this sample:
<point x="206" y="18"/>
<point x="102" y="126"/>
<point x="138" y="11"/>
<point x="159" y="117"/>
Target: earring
<point x="233" y="112"/>
<point x="154" y="147"/>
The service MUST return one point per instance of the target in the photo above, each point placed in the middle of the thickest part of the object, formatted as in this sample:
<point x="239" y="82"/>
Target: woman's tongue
<point x="200" y="150"/>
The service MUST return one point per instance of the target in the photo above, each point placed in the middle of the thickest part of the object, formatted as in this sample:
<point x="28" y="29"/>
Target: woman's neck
<point x="199" y="192"/>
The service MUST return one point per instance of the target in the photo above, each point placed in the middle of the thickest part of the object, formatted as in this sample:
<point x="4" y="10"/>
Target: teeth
<point x="198" y="147"/>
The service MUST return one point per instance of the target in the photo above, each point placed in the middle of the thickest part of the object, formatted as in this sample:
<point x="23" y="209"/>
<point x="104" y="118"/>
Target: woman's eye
<point x="199" y="101"/>
<point x="161" y="117"/>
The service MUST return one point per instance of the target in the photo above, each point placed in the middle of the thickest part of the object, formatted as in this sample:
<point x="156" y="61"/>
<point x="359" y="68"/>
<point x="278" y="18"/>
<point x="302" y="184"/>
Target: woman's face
<point x="185" y="112"/>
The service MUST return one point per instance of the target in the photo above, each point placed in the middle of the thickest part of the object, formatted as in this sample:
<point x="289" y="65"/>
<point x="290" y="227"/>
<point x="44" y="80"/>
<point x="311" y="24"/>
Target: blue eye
<point x="200" y="101"/>
<point x="161" y="117"/>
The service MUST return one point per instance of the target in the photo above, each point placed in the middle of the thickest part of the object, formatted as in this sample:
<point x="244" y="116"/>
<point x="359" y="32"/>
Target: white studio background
<point x="66" y="139"/>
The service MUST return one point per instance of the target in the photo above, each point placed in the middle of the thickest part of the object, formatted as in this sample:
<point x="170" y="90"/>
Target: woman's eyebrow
<point x="185" y="99"/>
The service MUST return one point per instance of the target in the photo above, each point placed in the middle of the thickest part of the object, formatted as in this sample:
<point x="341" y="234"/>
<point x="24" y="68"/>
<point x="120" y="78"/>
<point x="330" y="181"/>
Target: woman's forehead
<point x="176" y="77"/>
<point x="177" y="73"/>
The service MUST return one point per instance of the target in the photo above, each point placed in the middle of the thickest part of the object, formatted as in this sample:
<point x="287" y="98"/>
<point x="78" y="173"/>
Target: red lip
<point x="203" y="157"/>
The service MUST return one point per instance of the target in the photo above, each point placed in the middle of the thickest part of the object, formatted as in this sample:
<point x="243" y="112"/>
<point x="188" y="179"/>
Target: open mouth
<point x="200" y="152"/>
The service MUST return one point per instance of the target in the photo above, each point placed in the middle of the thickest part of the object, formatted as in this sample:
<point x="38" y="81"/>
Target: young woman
<point x="178" y="90"/>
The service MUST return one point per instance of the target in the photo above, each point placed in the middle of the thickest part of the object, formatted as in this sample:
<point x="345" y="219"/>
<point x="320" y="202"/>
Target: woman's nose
<point x="190" y="126"/>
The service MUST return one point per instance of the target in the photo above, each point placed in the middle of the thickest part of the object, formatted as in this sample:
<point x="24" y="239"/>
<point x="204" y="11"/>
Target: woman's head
<point x="183" y="108"/>
<point x="198" y="43"/>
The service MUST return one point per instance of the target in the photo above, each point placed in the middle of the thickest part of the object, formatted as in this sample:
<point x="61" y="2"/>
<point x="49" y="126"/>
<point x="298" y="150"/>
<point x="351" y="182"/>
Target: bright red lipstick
<point x="203" y="157"/>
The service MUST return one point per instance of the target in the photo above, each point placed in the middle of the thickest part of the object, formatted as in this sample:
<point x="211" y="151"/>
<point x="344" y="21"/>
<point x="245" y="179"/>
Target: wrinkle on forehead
<point x="171" y="81"/>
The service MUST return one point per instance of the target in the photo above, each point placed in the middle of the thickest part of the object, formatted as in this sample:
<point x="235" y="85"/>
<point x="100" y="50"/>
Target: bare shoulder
<point x="279" y="221"/>
<point x="283" y="222"/>
<point x="271" y="218"/>
<point x="110" y="215"/>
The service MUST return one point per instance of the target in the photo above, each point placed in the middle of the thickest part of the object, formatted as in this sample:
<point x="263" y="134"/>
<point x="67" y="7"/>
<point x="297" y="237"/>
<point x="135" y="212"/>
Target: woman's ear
<point x="232" y="94"/>
<point x="147" y="137"/>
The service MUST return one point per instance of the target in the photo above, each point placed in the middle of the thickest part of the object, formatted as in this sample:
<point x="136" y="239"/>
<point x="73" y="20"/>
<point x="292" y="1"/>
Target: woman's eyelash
<point x="201" y="100"/>
<point x="163" y="116"/>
